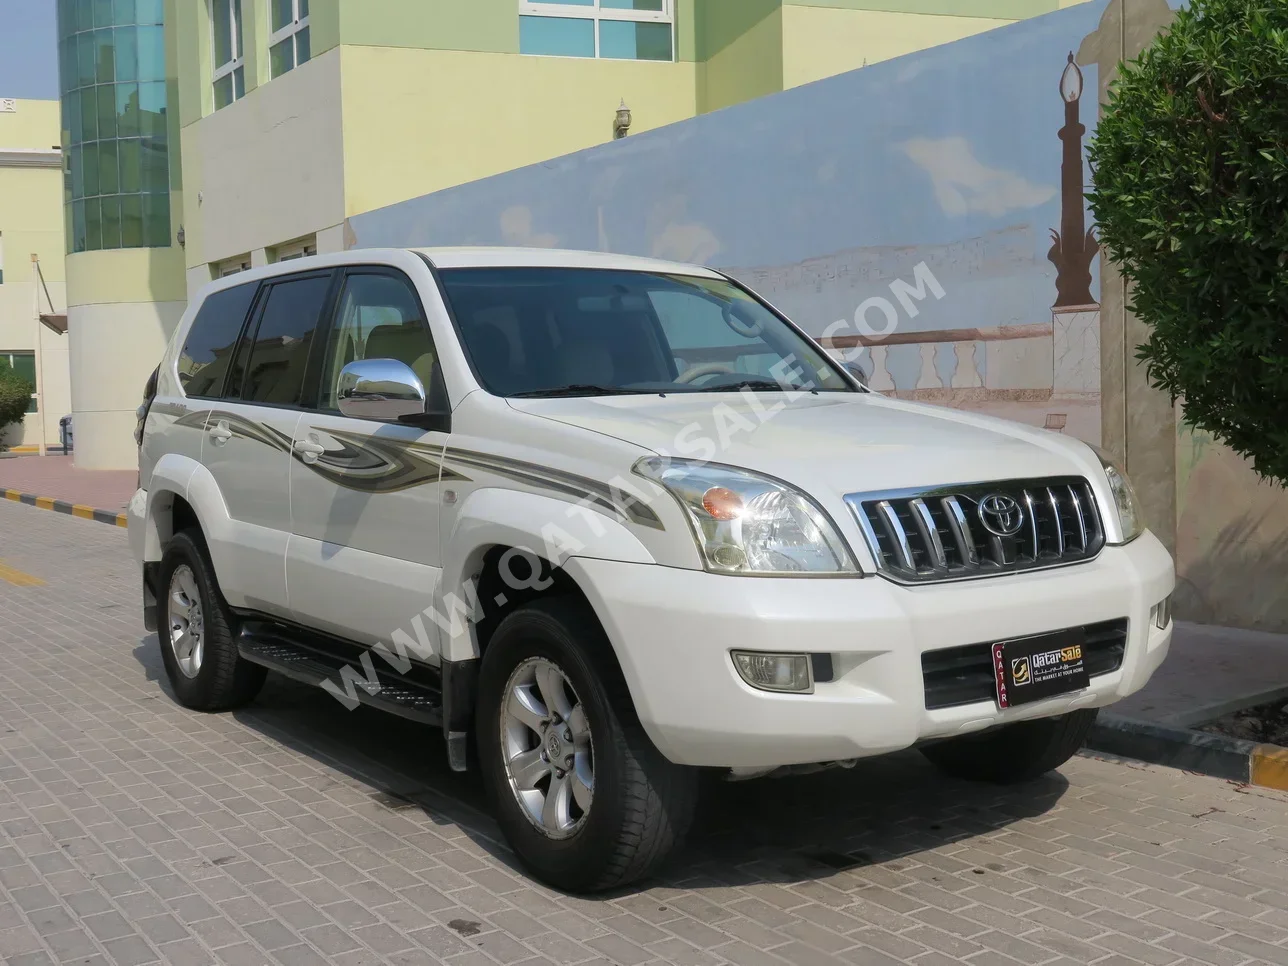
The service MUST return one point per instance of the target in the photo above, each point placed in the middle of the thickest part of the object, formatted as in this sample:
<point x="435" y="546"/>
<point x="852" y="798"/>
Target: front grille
<point x="965" y="675"/>
<point x="980" y="529"/>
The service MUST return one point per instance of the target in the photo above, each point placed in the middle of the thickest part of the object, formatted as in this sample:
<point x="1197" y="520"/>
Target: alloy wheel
<point x="546" y="748"/>
<point x="187" y="630"/>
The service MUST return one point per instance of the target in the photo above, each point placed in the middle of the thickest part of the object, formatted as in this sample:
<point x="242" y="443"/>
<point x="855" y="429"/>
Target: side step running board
<point x="298" y="657"/>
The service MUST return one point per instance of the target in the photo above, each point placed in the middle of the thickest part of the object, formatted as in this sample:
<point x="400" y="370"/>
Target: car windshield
<point x="534" y="332"/>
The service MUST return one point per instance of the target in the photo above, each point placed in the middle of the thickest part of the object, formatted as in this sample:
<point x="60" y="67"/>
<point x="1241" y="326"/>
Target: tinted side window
<point x="379" y="318"/>
<point x="279" y="354"/>
<point x="207" y="354"/>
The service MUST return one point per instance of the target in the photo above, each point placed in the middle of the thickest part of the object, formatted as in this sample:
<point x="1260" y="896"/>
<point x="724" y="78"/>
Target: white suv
<point x="609" y="522"/>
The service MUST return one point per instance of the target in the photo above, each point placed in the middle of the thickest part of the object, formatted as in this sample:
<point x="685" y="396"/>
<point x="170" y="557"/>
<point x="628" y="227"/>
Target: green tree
<point x="1190" y="174"/>
<point x="15" y="396"/>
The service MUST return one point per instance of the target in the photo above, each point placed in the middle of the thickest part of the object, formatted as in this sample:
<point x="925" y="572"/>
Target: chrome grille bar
<point x="930" y="533"/>
<point x="1059" y="523"/>
<point x="895" y="531"/>
<point x="965" y="531"/>
<point x="1033" y="524"/>
<point x="961" y="531"/>
<point x="1077" y="512"/>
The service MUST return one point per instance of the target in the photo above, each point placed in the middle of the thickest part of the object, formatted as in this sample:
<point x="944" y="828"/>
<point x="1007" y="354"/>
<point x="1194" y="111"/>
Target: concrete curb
<point x="1216" y="755"/>
<point x="61" y="506"/>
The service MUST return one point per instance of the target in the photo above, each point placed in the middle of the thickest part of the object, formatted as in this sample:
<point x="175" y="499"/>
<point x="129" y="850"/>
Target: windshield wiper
<point x="579" y="389"/>
<point x="755" y="385"/>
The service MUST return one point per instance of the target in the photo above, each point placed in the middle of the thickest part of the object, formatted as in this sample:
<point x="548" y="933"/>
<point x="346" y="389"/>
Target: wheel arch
<point x="496" y="527"/>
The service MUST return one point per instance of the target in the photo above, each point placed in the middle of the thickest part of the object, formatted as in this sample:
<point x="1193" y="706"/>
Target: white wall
<point x="271" y="165"/>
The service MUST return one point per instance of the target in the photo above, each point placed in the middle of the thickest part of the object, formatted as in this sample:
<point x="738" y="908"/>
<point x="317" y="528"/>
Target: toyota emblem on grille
<point x="1001" y="515"/>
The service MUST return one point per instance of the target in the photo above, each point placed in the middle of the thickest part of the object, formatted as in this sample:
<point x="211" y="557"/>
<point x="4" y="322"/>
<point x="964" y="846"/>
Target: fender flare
<point x="170" y="478"/>
<point x="550" y="528"/>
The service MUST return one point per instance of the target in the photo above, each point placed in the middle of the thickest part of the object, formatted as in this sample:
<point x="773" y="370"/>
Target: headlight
<point x="1129" y="518"/>
<point x="745" y="523"/>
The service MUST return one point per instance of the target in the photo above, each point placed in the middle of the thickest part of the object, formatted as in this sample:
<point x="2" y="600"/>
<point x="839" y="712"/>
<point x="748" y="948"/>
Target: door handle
<point x="220" y="433"/>
<point x="309" y="451"/>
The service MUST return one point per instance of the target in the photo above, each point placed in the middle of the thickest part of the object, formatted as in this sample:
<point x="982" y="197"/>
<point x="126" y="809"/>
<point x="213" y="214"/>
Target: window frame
<point x="308" y="396"/>
<point x="288" y="32"/>
<point x="596" y="12"/>
<point x="312" y="392"/>
<point x="236" y="42"/>
<point x="252" y="311"/>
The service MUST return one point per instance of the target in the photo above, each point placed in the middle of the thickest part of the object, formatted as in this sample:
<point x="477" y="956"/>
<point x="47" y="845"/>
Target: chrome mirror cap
<point x="380" y="389"/>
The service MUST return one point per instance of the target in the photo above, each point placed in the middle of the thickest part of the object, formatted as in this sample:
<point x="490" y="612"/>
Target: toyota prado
<point x="611" y="522"/>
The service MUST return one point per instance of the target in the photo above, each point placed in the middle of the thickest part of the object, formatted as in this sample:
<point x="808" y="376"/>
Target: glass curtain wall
<point x="111" y="57"/>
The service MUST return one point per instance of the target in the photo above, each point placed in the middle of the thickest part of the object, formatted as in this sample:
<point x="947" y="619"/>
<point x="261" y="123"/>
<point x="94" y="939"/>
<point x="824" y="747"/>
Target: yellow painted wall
<point x="34" y="124"/>
<point x="820" y="42"/>
<point x="416" y="121"/>
<point x="31" y="222"/>
<point x="126" y="275"/>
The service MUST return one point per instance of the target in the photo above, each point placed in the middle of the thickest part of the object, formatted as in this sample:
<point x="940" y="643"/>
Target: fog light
<point x="775" y="672"/>
<point x="1163" y="612"/>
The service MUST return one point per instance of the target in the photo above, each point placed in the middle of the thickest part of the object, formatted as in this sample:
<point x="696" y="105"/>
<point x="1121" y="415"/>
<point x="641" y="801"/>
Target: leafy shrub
<point x="1190" y="173"/>
<point x="15" y="396"/>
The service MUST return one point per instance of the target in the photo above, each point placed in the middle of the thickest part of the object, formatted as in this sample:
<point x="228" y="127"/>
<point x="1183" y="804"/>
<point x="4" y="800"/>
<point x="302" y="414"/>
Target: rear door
<point x="364" y="559"/>
<point x="248" y="435"/>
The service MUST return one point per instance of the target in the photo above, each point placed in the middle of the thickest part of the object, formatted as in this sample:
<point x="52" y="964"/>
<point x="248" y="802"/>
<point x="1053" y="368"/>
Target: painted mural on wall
<point x="926" y="213"/>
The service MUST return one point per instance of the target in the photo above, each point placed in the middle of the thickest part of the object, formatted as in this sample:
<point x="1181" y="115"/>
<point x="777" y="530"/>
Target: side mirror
<point x="858" y="372"/>
<point x="382" y="389"/>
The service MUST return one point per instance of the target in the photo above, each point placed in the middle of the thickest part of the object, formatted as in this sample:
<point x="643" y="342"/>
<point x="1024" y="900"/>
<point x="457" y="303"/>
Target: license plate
<point x="1040" y="667"/>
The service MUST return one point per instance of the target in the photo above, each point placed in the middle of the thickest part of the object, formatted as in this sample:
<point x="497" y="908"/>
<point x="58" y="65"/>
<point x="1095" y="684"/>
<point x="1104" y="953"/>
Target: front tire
<point x="584" y="798"/>
<point x="1013" y="753"/>
<point x="195" y="628"/>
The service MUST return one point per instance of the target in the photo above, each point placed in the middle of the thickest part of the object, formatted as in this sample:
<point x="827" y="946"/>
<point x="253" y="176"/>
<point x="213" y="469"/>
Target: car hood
<point x="843" y="442"/>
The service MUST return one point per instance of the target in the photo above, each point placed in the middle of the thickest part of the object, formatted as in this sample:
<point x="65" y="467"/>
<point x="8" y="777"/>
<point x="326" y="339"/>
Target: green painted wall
<point x="740" y="51"/>
<point x="720" y="23"/>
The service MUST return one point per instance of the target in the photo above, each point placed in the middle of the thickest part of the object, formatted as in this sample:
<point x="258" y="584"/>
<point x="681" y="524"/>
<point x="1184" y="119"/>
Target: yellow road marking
<point x="45" y="502"/>
<point x="1270" y="767"/>
<point x="12" y="495"/>
<point x="18" y="578"/>
<point x="84" y="512"/>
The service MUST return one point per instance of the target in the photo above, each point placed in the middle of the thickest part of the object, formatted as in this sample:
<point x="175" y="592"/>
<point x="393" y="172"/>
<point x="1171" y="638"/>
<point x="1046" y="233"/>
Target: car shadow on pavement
<point x="822" y="826"/>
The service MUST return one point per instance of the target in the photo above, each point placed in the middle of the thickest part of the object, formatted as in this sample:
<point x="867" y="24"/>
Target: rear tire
<point x="636" y="807"/>
<point x="1013" y="753"/>
<point x="205" y="669"/>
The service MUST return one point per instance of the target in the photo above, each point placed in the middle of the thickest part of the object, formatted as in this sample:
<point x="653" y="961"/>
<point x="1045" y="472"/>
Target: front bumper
<point x="673" y="629"/>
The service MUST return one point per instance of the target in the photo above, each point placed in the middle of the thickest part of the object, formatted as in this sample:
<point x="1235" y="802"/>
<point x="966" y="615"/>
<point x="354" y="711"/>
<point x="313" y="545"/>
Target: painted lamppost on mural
<point x="1075" y="244"/>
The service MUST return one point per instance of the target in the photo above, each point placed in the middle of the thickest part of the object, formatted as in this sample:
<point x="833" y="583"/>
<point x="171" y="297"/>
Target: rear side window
<point x="207" y="354"/>
<point x="279" y="353"/>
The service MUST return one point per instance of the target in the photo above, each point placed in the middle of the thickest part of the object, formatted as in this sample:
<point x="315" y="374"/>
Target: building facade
<point x="31" y="224"/>
<point x="270" y="123"/>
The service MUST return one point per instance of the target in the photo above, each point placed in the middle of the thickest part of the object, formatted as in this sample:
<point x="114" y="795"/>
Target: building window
<point x="298" y="249"/>
<point x="231" y="266"/>
<point x="116" y="168"/>
<point x="288" y="42"/>
<point x="229" y="58"/>
<point x="24" y="364"/>
<point x="610" y="29"/>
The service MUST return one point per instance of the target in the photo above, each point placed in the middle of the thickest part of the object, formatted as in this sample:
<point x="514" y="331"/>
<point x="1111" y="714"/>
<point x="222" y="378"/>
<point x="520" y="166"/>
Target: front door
<point x="363" y="561"/>
<point x="247" y="444"/>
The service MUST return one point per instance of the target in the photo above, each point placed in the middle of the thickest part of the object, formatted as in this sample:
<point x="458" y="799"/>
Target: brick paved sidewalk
<point x="57" y="476"/>
<point x="133" y="831"/>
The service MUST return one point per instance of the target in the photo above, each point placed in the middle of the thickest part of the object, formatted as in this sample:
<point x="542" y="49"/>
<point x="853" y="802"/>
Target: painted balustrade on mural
<point x="1003" y="363"/>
